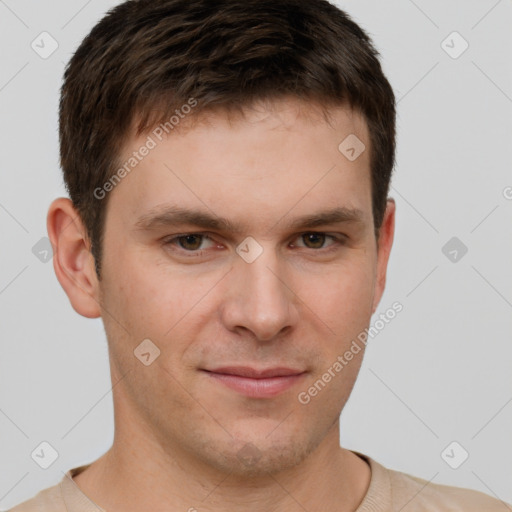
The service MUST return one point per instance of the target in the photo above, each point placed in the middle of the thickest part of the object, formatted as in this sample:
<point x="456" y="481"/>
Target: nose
<point x="259" y="298"/>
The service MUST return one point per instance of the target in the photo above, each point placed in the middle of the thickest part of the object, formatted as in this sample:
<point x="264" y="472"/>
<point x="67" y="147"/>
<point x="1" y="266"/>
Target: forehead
<point x="285" y="109"/>
<point x="270" y="158"/>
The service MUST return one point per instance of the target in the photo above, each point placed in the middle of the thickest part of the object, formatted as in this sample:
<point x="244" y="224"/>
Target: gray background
<point x="439" y="372"/>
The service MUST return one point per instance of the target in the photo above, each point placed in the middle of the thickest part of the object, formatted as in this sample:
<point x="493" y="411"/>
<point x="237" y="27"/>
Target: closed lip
<point x="253" y="373"/>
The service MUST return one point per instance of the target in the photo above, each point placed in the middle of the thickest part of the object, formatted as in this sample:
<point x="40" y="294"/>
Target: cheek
<point x="342" y="299"/>
<point x="162" y="304"/>
<point x="345" y="307"/>
<point x="138" y="299"/>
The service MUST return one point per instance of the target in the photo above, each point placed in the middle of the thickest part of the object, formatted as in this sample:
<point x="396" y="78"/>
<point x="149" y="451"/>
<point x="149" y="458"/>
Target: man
<point x="228" y="165"/>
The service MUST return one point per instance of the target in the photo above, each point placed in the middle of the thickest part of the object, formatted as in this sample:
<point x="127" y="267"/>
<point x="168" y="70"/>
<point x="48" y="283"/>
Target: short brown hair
<point x="147" y="58"/>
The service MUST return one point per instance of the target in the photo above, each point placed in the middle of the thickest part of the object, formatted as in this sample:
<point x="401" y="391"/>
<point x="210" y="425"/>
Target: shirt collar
<point x="376" y="499"/>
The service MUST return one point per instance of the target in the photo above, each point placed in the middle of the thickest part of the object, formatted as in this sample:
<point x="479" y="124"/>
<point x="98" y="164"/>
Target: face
<point x="239" y="246"/>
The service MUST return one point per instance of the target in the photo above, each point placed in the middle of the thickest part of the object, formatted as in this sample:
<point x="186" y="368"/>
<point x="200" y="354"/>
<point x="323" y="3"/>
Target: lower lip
<point x="257" y="388"/>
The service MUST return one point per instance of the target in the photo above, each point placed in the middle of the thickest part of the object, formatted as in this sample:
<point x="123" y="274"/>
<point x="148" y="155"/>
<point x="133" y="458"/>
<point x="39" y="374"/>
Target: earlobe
<point x="72" y="260"/>
<point x="387" y="232"/>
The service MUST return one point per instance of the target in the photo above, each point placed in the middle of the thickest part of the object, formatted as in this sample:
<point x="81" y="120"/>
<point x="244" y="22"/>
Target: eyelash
<point x="337" y="242"/>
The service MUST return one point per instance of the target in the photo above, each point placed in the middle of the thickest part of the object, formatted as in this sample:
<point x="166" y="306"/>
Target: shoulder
<point x="413" y="493"/>
<point x="47" y="500"/>
<point x="66" y="496"/>
<point x="392" y="491"/>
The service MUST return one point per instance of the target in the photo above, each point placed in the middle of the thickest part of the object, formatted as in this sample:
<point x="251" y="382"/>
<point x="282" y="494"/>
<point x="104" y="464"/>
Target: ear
<point x="72" y="259"/>
<point x="386" y="234"/>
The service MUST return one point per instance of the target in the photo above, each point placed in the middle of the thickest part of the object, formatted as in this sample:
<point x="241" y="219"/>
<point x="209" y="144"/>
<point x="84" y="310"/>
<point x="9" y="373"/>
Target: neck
<point x="139" y="474"/>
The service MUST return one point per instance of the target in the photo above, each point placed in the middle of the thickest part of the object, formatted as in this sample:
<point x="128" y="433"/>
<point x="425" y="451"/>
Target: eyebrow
<point x="169" y="215"/>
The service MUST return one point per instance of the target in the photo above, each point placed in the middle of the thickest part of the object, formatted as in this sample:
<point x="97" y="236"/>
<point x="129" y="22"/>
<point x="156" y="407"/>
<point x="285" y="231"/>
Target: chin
<point x="257" y="457"/>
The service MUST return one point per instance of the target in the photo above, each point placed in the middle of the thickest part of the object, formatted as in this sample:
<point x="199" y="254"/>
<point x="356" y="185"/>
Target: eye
<point x="316" y="240"/>
<point x="189" y="242"/>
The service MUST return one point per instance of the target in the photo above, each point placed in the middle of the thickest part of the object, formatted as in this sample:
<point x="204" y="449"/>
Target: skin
<point x="178" y="433"/>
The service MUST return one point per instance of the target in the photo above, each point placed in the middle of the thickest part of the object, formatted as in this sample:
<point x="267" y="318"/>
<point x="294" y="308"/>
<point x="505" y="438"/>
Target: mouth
<point x="254" y="383"/>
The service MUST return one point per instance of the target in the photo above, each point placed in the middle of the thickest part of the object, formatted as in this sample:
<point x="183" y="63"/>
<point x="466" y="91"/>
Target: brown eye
<point x="190" y="242"/>
<point x="320" y="242"/>
<point x="313" y="240"/>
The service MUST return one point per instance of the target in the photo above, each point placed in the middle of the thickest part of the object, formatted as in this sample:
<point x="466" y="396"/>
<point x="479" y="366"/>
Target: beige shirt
<point x="389" y="491"/>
